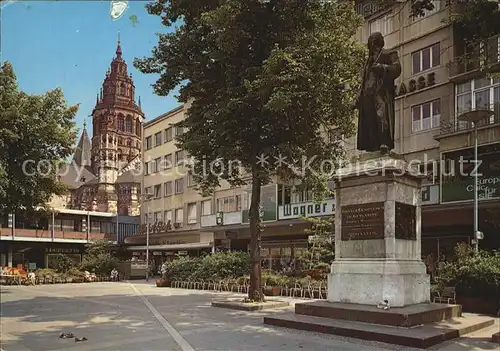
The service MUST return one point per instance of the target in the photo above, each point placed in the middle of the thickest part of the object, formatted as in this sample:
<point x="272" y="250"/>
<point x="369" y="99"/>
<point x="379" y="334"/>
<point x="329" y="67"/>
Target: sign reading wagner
<point x="457" y="182"/>
<point x="363" y="221"/>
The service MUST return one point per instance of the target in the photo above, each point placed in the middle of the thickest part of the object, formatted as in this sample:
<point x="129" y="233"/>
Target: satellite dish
<point x="117" y="9"/>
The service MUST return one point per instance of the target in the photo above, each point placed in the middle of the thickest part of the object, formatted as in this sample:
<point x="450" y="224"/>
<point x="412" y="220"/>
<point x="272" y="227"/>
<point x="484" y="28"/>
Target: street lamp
<point x="147" y="197"/>
<point x="475" y="117"/>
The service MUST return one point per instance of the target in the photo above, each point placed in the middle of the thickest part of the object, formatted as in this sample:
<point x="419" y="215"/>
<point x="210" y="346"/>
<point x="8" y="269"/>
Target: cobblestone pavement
<point x="138" y="316"/>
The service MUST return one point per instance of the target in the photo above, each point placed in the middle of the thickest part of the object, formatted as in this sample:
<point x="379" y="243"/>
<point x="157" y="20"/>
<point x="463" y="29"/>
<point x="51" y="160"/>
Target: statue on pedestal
<point x="375" y="100"/>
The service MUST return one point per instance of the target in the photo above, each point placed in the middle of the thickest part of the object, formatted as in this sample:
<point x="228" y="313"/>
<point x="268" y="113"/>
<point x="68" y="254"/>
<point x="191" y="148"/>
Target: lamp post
<point x="147" y="197"/>
<point x="475" y="117"/>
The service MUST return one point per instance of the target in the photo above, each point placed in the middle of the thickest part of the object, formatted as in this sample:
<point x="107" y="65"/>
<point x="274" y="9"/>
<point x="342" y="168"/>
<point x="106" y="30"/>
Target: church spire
<point x="118" y="47"/>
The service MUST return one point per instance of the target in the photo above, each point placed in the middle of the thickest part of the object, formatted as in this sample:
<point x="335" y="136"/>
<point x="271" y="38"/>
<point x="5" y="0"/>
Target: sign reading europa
<point x="416" y="84"/>
<point x="156" y="228"/>
<point x="306" y="209"/>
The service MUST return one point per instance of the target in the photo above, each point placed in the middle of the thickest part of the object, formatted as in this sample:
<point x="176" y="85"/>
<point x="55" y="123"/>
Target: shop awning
<point x="171" y="247"/>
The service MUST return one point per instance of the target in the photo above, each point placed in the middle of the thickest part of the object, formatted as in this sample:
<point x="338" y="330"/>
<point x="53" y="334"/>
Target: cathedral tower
<point x="117" y="124"/>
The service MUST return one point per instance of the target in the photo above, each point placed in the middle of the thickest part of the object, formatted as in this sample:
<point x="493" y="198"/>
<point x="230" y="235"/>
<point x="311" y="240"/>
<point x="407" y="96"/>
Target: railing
<point x="456" y="126"/>
<point x="486" y="57"/>
<point x="46" y="234"/>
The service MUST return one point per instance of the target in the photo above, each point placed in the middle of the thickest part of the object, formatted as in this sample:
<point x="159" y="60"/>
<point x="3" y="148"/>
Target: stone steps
<point x="423" y="336"/>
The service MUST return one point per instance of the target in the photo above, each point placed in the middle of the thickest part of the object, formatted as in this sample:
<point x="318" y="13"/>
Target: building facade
<point x="439" y="82"/>
<point x="104" y="174"/>
<point x="435" y="87"/>
<point x="170" y="203"/>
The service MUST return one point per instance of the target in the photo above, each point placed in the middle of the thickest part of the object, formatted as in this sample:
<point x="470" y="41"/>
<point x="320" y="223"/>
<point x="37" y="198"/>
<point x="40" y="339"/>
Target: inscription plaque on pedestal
<point x="363" y="222"/>
<point x="406" y="221"/>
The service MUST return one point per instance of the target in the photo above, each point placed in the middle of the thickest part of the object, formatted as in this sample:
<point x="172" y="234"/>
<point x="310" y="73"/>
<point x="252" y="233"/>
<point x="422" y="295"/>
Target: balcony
<point x="448" y="128"/>
<point x="224" y="218"/>
<point x="486" y="58"/>
<point x="45" y="235"/>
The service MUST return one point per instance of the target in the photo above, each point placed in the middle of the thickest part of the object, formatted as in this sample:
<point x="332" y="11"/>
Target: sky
<point x="70" y="44"/>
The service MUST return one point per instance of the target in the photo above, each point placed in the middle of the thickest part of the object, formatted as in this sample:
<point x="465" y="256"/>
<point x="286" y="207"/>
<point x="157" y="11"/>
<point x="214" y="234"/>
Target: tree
<point x="35" y="130"/>
<point x="320" y="253"/>
<point x="262" y="80"/>
<point x="98" y="258"/>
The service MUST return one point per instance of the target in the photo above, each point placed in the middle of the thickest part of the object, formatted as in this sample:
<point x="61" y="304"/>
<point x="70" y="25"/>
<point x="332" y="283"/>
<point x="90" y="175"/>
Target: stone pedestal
<point x="378" y="234"/>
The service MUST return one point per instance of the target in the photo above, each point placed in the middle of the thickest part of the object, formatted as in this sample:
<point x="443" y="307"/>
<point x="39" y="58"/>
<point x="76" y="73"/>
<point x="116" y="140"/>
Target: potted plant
<point x="272" y="285"/>
<point x="162" y="283"/>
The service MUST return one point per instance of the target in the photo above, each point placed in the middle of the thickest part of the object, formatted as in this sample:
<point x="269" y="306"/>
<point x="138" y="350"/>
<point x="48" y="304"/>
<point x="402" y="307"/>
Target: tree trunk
<point x="255" y="291"/>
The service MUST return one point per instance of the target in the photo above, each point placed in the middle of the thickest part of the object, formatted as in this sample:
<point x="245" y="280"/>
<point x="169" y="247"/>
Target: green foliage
<point x="472" y="275"/>
<point x="98" y="259"/>
<point x="261" y="79"/>
<point x="321" y="252"/>
<point x="62" y="263"/>
<point x="32" y="127"/>
<point x="217" y="266"/>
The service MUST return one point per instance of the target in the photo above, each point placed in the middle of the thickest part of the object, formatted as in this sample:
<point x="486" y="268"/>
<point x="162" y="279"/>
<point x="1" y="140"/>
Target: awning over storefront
<point x="188" y="246"/>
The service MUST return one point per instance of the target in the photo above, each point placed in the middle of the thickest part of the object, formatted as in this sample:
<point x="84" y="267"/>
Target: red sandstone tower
<point x="116" y="143"/>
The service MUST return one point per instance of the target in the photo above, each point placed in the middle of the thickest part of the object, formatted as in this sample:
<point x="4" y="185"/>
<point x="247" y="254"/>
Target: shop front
<point x="167" y="246"/>
<point x="34" y="255"/>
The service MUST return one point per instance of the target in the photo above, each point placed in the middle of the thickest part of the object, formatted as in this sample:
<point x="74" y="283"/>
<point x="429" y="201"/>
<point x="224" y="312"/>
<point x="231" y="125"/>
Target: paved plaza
<point x="139" y="316"/>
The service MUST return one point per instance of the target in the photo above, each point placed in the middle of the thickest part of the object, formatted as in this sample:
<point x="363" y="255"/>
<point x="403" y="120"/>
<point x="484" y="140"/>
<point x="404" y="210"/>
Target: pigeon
<point x="80" y="339"/>
<point x="66" y="335"/>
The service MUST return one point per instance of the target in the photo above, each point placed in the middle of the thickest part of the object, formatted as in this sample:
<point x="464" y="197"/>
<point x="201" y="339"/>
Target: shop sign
<point x="166" y="242"/>
<point x="416" y="84"/>
<point x="183" y="253"/>
<point x="156" y="228"/>
<point x="62" y="250"/>
<point x="458" y="185"/>
<point x="488" y="189"/>
<point x="306" y="209"/>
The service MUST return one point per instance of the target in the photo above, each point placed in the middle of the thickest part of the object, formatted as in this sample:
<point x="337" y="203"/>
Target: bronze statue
<point x="375" y="100"/>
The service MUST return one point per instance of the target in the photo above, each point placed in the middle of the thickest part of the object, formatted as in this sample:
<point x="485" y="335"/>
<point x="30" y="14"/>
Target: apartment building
<point x="440" y="81"/>
<point x="170" y="203"/>
<point x="435" y="87"/>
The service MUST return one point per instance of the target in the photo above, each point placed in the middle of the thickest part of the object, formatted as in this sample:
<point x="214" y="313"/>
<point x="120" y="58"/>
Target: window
<point x="128" y="124"/>
<point x="168" y="134"/>
<point x="168" y="161"/>
<point x="148" y="167"/>
<point x="426" y="58"/>
<point x="426" y="116"/>
<point x="492" y="49"/>
<point x="179" y="217"/>
<point x="179" y="186"/>
<point x="383" y="24"/>
<point x="190" y="179"/>
<point x="179" y="131"/>
<point x="149" y="143"/>
<point x="168" y="216"/>
<point x="158" y="139"/>
<point x="157" y="192"/>
<point x="148" y="190"/>
<point x="438" y="5"/>
<point x="229" y="204"/>
<point x="121" y="123"/>
<point x="157" y="165"/>
<point x="476" y="94"/>
<point x="179" y="157"/>
<point x="191" y="213"/>
<point x="168" y="188"/>
<point x="206" y="207"/>
<point x="157" y="217"/>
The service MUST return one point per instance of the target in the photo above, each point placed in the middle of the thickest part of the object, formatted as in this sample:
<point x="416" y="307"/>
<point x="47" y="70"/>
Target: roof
<point x="81" y="156"/>
<point x="74" y="176"/>
<point x="130" y="176"/>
